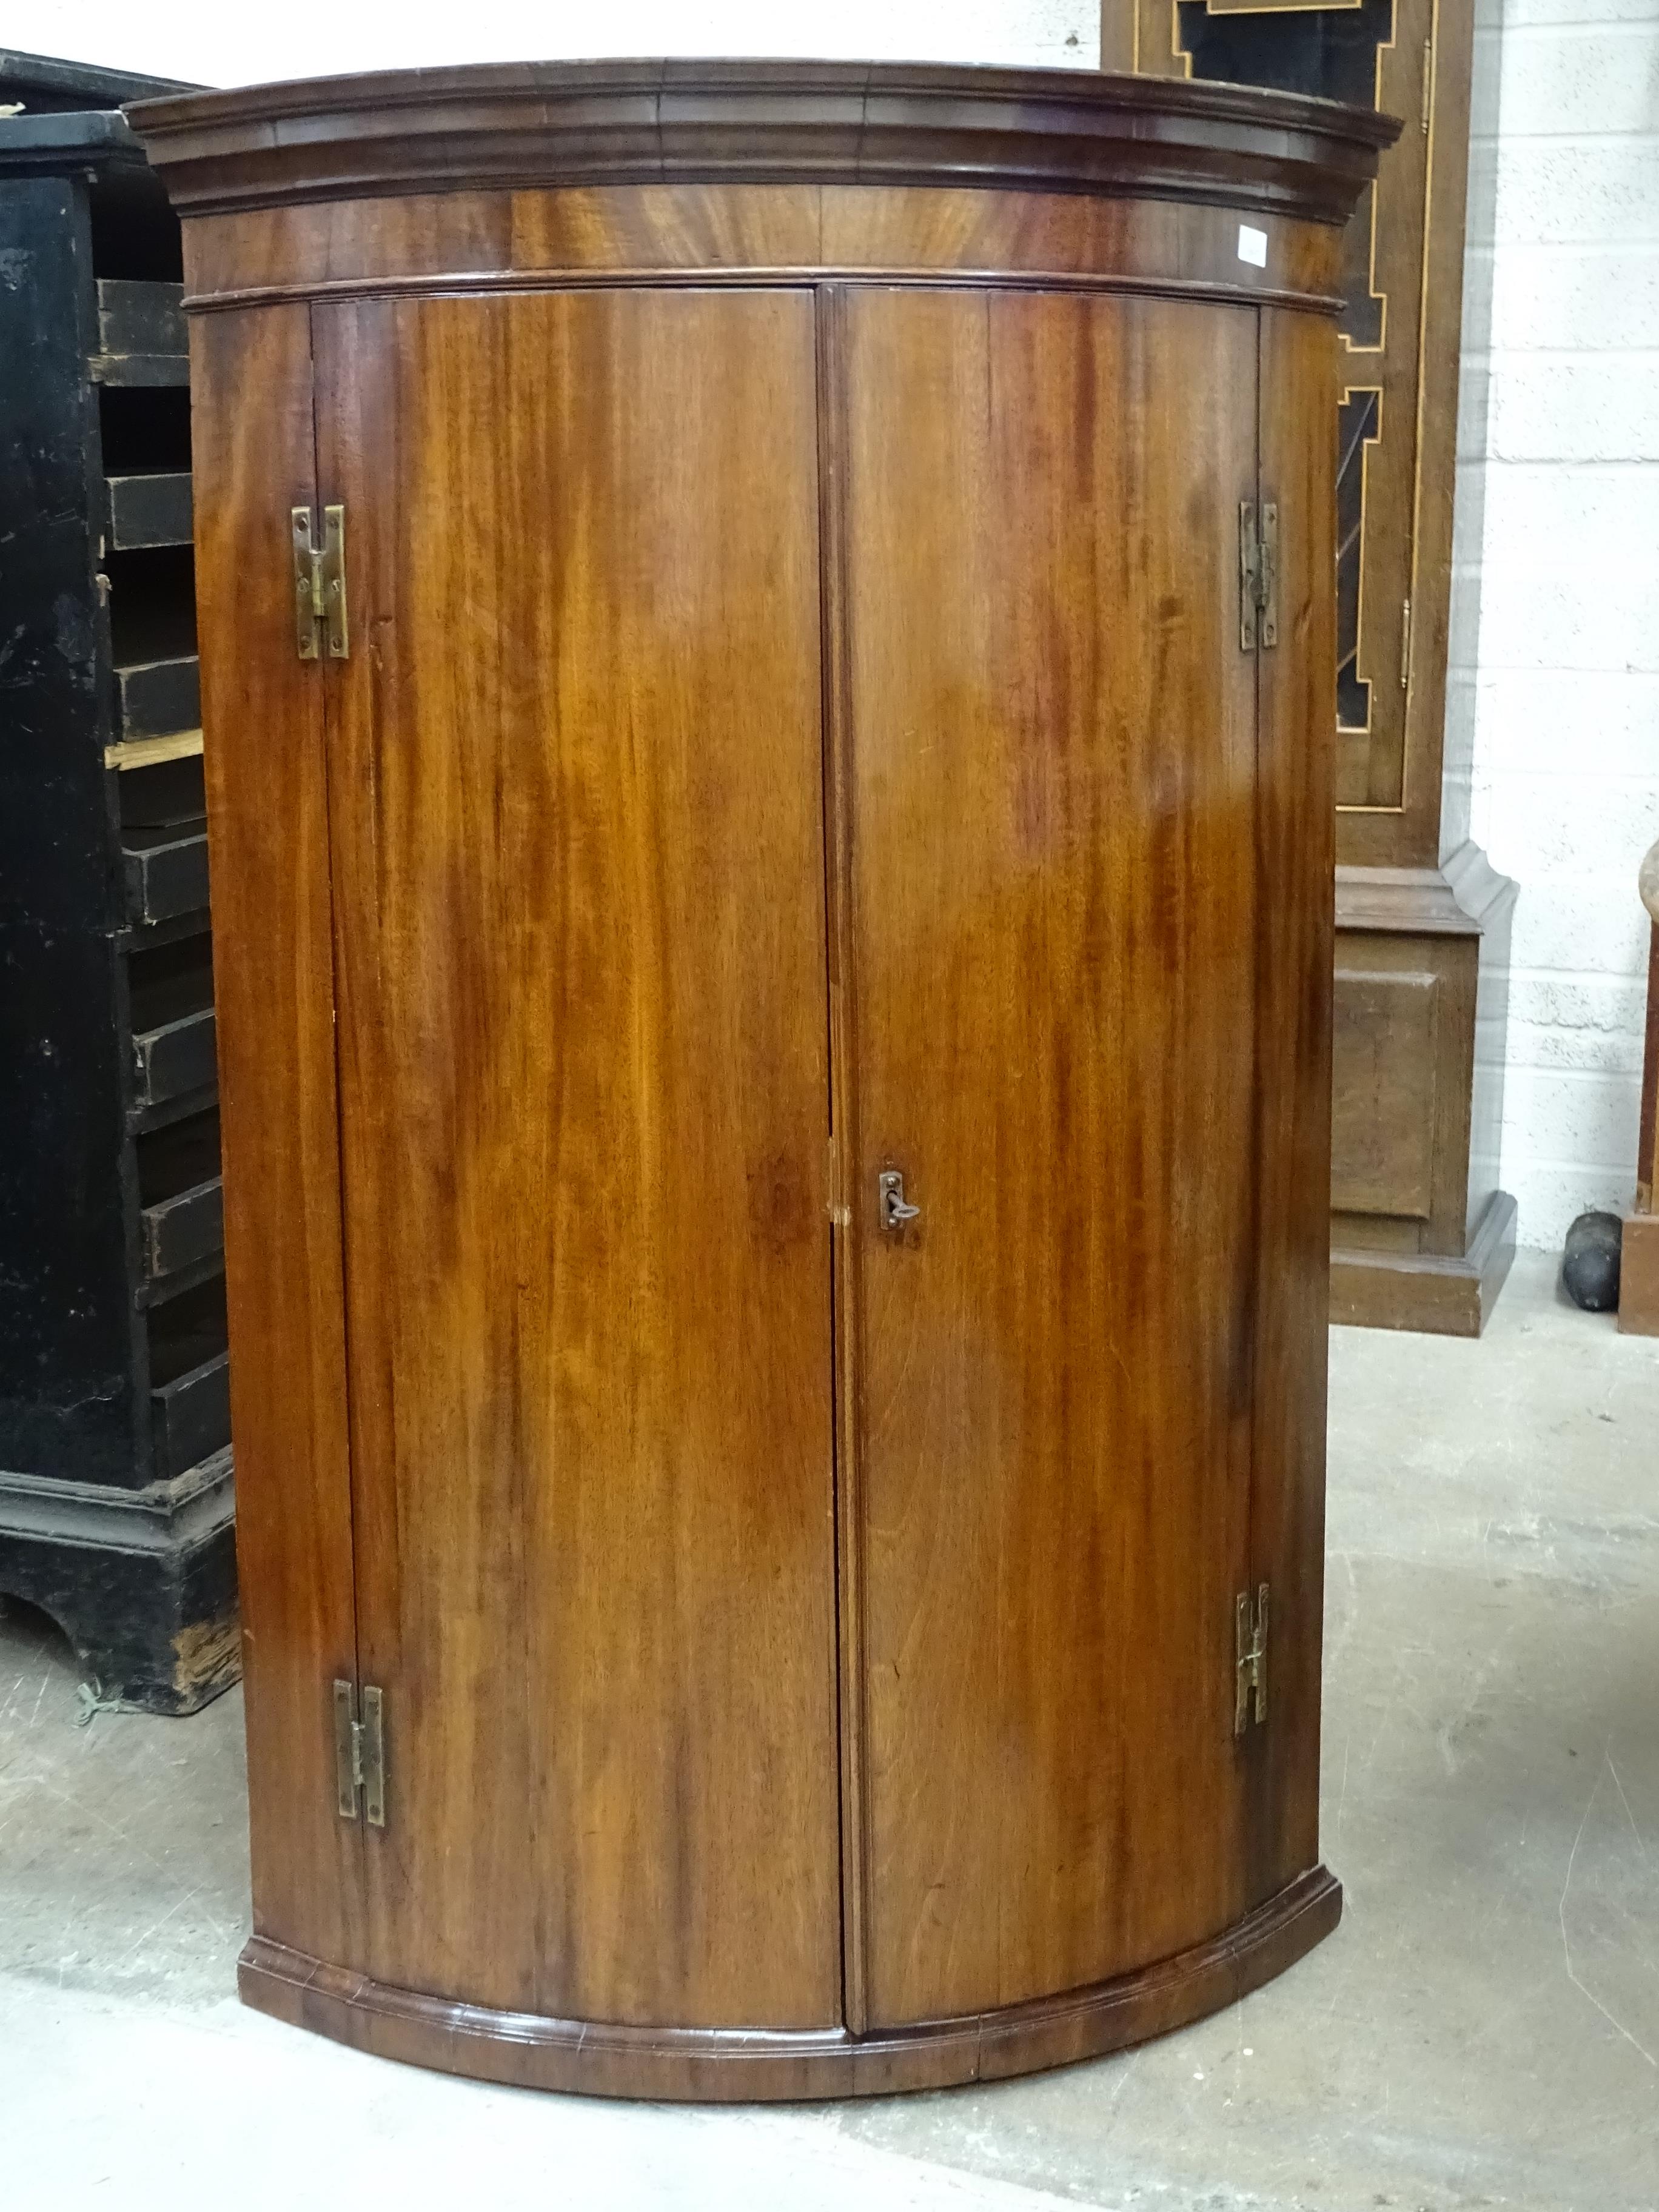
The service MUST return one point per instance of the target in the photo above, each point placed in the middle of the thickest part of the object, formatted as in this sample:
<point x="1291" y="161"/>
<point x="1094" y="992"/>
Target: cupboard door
<point x="262" y="710"/>
<point x="579" y="893"/>
<point x="1050" y="781"/>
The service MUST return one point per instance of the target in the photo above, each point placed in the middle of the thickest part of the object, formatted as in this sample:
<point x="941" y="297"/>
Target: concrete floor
<point x="1482" y="2031"/>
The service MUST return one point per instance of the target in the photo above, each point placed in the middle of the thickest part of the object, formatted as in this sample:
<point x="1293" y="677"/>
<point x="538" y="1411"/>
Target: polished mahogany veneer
<point x="773" y="960"/>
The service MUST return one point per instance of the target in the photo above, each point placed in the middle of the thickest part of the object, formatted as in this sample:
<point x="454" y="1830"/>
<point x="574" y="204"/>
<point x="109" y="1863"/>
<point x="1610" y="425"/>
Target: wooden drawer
<point x="153" y="697"/>
<point x="181" y="1232"/>
<point x="190" y="1377"/>
<point x="140" y="333"/>
<point x="148" y="509"/>
<point x="176" y="1058"/>
<point x="190" y="1416"/>
<point x="167" y="871"/>
<point x="170" y="991"/>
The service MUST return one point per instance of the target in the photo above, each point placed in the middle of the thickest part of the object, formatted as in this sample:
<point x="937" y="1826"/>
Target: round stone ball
<point x="1589" y="1269"/>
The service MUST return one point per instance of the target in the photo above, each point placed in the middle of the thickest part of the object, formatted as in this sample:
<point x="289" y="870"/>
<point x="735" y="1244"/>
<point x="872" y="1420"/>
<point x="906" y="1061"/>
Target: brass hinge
<point x="359" y="1753"/>
<point x="1405" y="645"/>
<point x="1258" y="574"/>
<point x="319" y="583"/>
<point x="1251" y="1640"/>
<point x="1428" y="82"/>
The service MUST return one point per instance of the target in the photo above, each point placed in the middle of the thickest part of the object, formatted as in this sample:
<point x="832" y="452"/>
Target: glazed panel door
<point x="1049" y="764"/>
<point x="576" y="781"/>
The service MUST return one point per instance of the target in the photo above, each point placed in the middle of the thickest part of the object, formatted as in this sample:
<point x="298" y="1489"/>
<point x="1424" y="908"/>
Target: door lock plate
<point x="890" y="1198"/>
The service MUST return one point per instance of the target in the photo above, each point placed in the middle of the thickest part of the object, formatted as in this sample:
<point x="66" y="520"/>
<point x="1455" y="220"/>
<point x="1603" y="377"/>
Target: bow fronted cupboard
<point x="766" y="633"/>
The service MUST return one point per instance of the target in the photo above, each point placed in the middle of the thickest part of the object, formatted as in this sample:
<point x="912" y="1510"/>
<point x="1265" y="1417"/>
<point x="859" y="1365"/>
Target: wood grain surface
<point x="1054" y="899"/>
<point x="267" y="820"/>
<point x="707" y="233"/>
<point x="579" y="886"/>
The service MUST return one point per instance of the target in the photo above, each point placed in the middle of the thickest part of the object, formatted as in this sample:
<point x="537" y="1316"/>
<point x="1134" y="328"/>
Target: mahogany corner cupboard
<point x="767" y="645"/>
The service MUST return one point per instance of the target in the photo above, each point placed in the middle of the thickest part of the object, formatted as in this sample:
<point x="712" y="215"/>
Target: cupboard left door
<point x="262" y="712"/>
<point x="577" y="840"/>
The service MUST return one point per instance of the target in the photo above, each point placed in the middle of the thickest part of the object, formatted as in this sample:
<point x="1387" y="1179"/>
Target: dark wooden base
<point x="1639" y="1276"/>
<point x="721" y="2065"/>
<point x="142" y="1582"/>
<point x="1442" y="1293"/>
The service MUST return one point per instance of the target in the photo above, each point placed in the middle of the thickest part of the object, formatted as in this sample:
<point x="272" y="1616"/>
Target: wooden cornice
<point x="551" y="124"/>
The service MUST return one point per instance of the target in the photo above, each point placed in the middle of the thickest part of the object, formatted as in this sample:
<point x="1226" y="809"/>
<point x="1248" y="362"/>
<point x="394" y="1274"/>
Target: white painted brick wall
<point x="1554" y="715"/>
<point x="1552" y="730"/>
<point x="220" y="44"/>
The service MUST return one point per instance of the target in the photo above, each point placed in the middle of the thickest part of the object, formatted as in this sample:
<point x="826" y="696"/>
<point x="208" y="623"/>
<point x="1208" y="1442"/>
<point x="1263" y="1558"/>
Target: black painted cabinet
<point x="115" y="1469"/>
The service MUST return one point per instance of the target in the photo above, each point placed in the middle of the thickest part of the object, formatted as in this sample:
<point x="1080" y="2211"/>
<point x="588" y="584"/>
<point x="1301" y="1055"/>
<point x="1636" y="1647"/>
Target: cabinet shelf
<point x="155" y="1291"/>
<point x="157" y="698"/>
<point x="183" y="1231"/>
<point x="166" y="871"/>
<point x="147" y="508"/>
<point x="173" y="1059"/>
<point x="190" y="1377"/>
<point x="143" y="368"/>
<point x="181" y="1223"/>
<point x="189" y="1418"/>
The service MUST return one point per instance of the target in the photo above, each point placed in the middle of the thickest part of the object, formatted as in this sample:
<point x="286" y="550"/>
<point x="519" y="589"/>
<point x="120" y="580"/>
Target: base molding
<point x="141" y="1581"/>
<point x="724" y="2065"/>
<point x="1443" y="1294"/>
<point x="1639" y="1276"/>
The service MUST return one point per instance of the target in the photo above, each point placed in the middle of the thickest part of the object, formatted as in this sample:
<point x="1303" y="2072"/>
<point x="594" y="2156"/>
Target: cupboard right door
<point x="1047" y="826"/>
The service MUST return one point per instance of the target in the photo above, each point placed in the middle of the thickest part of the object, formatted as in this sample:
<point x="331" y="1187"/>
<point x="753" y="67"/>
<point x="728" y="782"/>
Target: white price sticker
<point x="1253" y="245"/>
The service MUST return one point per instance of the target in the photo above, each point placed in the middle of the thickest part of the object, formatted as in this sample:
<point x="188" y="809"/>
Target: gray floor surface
<point x="1482" y="2031"/>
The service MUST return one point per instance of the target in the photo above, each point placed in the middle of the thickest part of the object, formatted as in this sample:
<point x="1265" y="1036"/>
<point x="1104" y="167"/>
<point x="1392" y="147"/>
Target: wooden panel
<point x="1148" y="241"/>
<point x="1405" y="1081"/>
<point x="1052" y="734"/>
<point x="1638" y="1285"/>
<point x="687" y="226"/>
<point x="265" y="774"/>
<point x="594" y="230"/>
<point x="1382" y="1093"/>
<point x="1295" y="843"/>
<point x="417" y="234"/>
<point x="579" y="881"/>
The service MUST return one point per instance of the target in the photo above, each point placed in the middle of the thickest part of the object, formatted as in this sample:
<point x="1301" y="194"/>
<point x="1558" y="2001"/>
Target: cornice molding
<point x="544" y="124"/>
